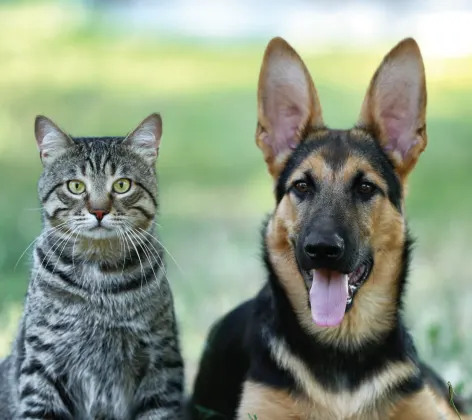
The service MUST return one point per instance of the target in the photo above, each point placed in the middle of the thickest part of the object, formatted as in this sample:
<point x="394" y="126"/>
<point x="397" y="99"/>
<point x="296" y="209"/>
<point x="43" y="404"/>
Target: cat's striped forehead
<point x="100" y="155"/>
<point x="95" y="157"/>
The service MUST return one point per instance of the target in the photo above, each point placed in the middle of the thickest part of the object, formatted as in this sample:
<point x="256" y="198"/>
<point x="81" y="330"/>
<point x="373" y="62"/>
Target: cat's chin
<point x="99" y="233"/>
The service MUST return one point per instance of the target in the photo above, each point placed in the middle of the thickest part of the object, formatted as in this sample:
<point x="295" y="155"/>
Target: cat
<point x="98" y="338"/>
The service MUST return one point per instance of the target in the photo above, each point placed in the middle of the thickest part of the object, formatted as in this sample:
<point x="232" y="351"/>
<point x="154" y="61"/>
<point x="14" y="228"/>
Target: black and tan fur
<point x="268" y="359"/>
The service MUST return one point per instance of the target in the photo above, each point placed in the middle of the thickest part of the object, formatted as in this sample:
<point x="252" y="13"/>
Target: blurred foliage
<point x="214" y="187"/>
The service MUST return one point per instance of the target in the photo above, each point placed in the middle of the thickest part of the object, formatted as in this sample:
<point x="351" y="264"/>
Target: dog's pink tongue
<point x="328" y="297"/>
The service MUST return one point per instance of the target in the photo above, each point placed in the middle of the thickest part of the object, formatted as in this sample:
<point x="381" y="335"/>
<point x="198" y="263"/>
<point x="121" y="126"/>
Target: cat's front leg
<point x="41" y="393"/>
<point x="160" y="395"/>
<point x="160" y="399"/>
<point x="152" y="410"/>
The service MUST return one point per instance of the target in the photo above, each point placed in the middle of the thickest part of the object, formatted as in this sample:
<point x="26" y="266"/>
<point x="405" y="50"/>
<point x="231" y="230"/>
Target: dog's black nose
<point x="324" y="248"/>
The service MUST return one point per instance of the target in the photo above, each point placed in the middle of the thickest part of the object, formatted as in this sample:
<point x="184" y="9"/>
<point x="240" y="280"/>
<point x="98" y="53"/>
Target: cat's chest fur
<point x="103" y="351"/>
<point x="105" y="382"/>
<point x="104" y="364"/>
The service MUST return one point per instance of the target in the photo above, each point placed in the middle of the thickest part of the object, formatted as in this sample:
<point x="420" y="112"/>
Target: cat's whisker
<point x="53" y="247"/>
<point x="50" y="253"/>
<point x="146" y="250"/>
<point x="164" y="248"/>
<point x="45" y="234"/>
<point x="139" y="257"/>
<point x="125" y="243"/>
<point x="122" y="248"/>
<point x="24" y="252"/>
<point x="132" y="228"/>
<point x="62" y="250"/>
<point x="73" y="249"/>
<point x="160" y="262"/>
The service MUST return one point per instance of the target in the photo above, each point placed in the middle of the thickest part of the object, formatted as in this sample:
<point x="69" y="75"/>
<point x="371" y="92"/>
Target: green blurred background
<point x="68" y="61"/>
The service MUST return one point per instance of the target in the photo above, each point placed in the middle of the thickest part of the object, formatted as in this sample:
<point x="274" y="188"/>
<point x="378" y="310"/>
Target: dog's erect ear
<point x="394" y="108"/>
<point x="287" y="104"/>
<point x="51" y="140"/>
<point x="145" y="139"/>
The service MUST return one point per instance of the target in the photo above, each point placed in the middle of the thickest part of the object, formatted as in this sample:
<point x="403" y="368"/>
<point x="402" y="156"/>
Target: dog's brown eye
<point x="366" y="188"/>
<point x="301" y="186"/>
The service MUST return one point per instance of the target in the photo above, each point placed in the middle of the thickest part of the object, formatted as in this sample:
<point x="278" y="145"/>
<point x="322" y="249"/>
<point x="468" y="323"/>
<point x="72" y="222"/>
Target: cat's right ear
<point x="51" y="140"/>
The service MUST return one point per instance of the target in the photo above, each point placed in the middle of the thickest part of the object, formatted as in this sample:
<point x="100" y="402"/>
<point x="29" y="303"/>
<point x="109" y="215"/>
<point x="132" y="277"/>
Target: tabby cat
<point x="98" y="337"/>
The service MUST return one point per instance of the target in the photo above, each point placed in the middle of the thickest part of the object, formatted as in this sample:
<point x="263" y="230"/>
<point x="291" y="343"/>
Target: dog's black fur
<point x="238" y="347"/>
<point x="237" y="350"/>
<point x="236" y="339"/>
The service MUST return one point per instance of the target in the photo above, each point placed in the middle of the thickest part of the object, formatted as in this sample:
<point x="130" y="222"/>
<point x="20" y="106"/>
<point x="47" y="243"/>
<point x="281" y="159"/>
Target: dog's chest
<point x="366" y="402"/>
<point x="342" y="408"/>
<point x="371" y="399"/>
<point x="319" y="414"/>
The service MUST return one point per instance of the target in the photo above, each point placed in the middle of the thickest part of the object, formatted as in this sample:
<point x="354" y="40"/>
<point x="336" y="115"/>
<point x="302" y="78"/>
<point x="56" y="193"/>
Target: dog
<point x="325" y="337"/>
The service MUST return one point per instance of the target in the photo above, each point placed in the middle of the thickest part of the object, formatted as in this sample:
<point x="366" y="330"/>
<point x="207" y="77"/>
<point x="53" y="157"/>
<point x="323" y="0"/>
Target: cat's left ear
<point x="146" y="138"/>
<point x="51" y="140"/>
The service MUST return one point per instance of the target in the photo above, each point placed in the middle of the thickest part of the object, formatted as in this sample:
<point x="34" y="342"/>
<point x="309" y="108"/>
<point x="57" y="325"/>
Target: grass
<point x="214" y="187"/>
<point x="451" y="399"/>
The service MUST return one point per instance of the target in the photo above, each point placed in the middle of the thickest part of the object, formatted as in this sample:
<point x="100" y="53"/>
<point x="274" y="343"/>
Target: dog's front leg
<point x="261" y="402"/>
<point x="420" y="406"/>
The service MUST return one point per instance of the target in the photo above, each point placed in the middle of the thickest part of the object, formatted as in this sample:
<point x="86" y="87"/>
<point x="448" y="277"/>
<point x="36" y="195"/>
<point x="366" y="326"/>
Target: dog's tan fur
<point x="377" y="299"/>
<point x="367" y="403"/>
<point x="397" y="91"/>
<point x="273" y="404"/>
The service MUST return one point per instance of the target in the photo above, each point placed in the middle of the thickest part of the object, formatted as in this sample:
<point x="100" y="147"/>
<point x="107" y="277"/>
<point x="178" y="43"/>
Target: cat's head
<point x="98" y="188"/>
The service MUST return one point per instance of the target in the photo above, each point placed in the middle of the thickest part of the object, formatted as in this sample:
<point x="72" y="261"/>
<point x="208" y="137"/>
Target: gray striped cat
<point x="98" y="337"/>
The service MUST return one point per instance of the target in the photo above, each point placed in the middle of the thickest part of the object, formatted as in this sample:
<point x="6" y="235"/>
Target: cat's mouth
<point x="99" y="232"/>
<point x="100" y="227"/>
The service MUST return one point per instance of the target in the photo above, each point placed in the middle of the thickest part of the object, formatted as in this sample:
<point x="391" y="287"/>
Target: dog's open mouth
<point x="332" y="293"/>
<point x="356" y="279"/>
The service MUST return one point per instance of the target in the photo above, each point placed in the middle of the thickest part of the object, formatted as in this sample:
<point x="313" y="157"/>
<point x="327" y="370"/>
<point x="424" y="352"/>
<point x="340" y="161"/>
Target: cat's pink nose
<point x="99" y="214"/>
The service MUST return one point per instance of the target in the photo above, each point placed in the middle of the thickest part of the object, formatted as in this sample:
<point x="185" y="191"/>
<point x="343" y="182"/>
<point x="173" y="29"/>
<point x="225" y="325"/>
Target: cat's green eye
<point x="76" y="187"/>
<point x="122" y="185"/>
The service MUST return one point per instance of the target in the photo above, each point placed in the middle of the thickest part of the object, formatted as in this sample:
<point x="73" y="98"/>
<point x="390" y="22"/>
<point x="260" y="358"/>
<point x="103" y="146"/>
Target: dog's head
<point x="338" y="230"/>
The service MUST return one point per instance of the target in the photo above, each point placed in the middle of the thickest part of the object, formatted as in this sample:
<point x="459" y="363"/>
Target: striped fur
<point x="98" y="338"/>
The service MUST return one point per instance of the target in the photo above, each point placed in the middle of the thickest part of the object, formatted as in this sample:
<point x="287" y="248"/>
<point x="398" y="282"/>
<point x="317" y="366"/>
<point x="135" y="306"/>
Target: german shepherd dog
<point x="325" y="337"/>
